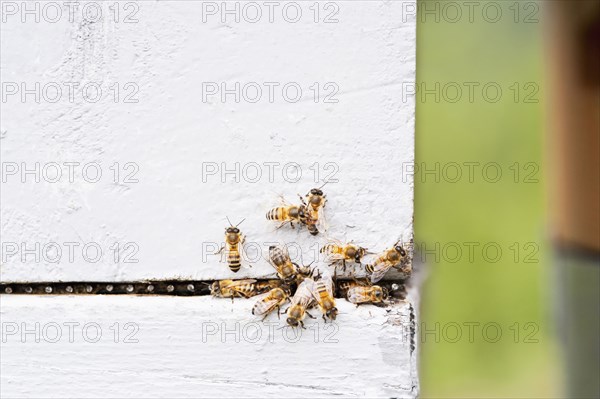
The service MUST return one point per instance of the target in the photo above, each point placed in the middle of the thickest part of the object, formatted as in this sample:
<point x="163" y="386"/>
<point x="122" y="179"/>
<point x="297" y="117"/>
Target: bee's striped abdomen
<point x="278" y="256"/>
<point x="323" y="293"/>
<point x="312" y="227"/>
<point x="278" y="213"/>
<point x="233" y="259"/>
<point x="332" y="249"/>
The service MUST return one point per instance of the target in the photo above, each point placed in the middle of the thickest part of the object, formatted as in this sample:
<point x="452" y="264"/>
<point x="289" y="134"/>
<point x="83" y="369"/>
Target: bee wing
<point x="284" y="201"/>
<point x="336" y="256"/>
<point x="380" y="271"/>
<point x="322" y="220"/>
<point x="304" y="293"/>
<point x="284" y="249"/>
<point x="357" y="295"/>
<point x="264" y="305"/>
<point x="237" y="283"/>
<point x="272" y="251"/>
<point x="334" y="241"/>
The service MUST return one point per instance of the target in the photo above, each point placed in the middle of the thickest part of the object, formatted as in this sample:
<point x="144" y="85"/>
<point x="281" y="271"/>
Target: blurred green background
<point x="508" y="131"/>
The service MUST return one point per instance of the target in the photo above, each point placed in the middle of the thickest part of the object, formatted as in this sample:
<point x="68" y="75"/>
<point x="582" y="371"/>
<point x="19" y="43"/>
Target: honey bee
<point x="336" y="251"/>
<point x="286" y="269"/>
<point x="302" y="300"/>
<point x="314" y="202"/>
<point x="233" y="241"/>
<point x="323" y="293"/>
<point x="234" y="288"/>
<point x="392" y="257"/>
<point x="292" y="213"/>
<point x="366" y="294"/>
<point x="273" y="300"/>
<point x="280" y="259"/>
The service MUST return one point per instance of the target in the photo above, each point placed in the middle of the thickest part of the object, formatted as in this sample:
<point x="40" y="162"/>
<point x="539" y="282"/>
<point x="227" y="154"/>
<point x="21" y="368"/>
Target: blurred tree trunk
<point x="574" y="160"/>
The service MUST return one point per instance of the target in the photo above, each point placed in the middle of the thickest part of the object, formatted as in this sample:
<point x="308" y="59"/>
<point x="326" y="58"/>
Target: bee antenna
<point x="227" y="217"/>
<point x="324" y="184"/>
<point x="203" y="283"/>
<point x="240" y="222"/>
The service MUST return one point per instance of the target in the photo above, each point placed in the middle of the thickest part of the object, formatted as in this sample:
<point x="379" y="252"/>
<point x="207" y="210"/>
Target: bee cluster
<point x="303" y="287"/>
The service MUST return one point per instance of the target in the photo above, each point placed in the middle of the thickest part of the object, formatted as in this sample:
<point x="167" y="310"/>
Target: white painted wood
<point x="175" y="213"/>
<point x="177" y="347"/>
<point x="174" y="217"/>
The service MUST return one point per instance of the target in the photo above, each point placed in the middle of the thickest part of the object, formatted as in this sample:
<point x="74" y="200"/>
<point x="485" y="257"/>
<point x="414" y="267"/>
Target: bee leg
<point x="263" y="319"/>
<point x="311" y="316"/>
<point x="292" y="224"/>
<point x="280" y="226"/>
<point x="344" y="263"/>
<point x="324" y="319"/>
<point x="301" y="324"/>
<point x="220" y="251"/>
<point x="278" y="313"/>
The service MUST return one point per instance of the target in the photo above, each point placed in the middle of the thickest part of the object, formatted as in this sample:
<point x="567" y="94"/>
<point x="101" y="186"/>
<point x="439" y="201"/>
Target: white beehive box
<point x="207" y="110"/>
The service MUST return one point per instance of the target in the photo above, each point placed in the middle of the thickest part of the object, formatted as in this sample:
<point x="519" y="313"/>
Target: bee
<point x="234" y="289"/>
<point x="314" y="202"/>
<point x="286" y="269"/>
<point x="335" y="251"/>
<point x="366" y="294"/>
<point x="280" y="259"/>
<point x="323" y="293"/>
<point x="292" y="213"/>
<point x="233" y="241"/>
<point x="273" y="300"/>
<point x="393" y="257"/>
<point x="302" y="300"/>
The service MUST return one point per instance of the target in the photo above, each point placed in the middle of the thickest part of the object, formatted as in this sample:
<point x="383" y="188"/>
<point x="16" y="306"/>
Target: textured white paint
<point x="170" y="132"/>
<point x="367" y="355"/>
